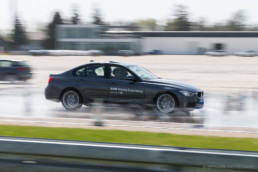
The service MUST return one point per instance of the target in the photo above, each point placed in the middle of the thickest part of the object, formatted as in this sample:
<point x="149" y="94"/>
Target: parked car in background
<point x="125" y="52"/>
<point x="155" y="52"/>
<point x="38" y="52"/>
<point x="12" y="70"/>
<point x="249" y="53"/>
<point x="216" y="53"/>
<point x="95" y="52"/>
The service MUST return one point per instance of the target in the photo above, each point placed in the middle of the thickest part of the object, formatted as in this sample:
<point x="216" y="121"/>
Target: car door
<point x="126" y="88"/>
<point x="91" y="81"/>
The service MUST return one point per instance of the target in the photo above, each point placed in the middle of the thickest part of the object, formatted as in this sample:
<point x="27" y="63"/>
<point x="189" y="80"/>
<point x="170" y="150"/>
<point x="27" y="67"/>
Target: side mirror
<point x="131" y="78"/>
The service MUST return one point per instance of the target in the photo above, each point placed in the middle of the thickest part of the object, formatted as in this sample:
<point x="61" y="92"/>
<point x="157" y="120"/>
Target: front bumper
<point x="193" y="102"/>
<point x="200" y="103"/>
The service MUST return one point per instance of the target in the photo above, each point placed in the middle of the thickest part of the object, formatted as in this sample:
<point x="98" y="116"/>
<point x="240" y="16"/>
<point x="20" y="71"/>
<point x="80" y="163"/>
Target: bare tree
<point x="237" y="22"/>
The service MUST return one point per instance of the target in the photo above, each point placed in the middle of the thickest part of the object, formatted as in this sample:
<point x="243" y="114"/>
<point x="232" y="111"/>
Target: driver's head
<point x="117" y="73"/>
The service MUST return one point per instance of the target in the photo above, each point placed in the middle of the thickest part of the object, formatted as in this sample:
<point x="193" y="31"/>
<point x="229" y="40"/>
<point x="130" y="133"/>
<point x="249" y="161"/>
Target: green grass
<point x="118" y="136"/>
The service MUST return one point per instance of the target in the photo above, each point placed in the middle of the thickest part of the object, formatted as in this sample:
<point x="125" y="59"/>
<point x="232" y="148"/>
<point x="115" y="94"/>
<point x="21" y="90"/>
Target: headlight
<point x="187" y="93"/>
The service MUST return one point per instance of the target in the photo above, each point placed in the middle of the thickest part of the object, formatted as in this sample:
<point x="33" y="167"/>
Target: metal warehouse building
<point x="196" y="42"/>
<point x="89" y="37"/>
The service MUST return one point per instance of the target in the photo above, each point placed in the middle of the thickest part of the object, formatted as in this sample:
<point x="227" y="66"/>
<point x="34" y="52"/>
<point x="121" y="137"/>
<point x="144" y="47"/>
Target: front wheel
<point x="165" y="103"/>
<point x="71" y="100"/>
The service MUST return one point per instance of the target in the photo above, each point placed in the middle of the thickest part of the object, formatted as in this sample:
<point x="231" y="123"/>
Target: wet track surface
<point x="230" y="85"/>
<point x="221" y="110"/>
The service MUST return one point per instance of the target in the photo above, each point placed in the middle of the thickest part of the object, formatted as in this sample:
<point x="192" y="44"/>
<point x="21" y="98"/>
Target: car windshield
<point x="142" y="73"/>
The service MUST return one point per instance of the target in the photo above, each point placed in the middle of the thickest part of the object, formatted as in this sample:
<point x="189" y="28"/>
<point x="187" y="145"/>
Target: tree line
<point x="179" y="21"/>
<point x="19" y="36"/>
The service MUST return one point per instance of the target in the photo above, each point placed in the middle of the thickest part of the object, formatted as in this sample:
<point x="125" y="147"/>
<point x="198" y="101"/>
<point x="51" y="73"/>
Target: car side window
<point x="94" y="71"/>
<point x="100" y="71"/>
<point x="91" y="71"/>
<point x="5" y="64"/>
<point x="119" y="73"/>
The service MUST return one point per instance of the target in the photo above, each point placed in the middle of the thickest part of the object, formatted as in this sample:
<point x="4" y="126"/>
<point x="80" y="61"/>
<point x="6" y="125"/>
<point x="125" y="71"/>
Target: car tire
<point x="10" y="78"/>
<point x="165" y="103"/>
<point x="71" y="100"/>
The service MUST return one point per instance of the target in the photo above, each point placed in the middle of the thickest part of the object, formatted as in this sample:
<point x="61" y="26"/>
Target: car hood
<point x="175" y="84"/>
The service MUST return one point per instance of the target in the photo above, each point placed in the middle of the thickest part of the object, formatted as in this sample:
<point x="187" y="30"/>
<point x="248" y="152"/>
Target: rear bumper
<point x="25" y="76"/>
<point x="52" y="93"/>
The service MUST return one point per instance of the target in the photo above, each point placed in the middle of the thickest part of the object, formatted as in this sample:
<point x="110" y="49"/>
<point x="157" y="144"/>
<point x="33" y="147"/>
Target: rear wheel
<point x="71" y="100"/>
<point x="165" y="103"/>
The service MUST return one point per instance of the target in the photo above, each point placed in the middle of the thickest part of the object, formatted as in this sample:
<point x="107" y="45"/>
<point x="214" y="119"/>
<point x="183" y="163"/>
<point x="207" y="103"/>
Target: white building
<point x="83" y="37"/>
<point x="196" y="42"/>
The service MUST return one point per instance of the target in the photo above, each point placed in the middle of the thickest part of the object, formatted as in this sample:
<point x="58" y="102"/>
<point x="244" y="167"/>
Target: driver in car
<point x="119" y="74"/>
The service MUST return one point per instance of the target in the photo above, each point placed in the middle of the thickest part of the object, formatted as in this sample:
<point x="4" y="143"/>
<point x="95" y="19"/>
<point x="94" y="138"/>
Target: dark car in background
<point x="154" y="52"/>
<point x="14" y="70"/>
<point x="118" y="82"/>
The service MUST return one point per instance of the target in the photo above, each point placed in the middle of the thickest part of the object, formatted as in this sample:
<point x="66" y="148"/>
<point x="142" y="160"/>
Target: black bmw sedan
<point x="119" y="83"/>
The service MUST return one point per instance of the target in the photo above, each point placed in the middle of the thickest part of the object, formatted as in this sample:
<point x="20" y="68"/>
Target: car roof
<point x="125" y="64"/>
<point x="111" y="62"/>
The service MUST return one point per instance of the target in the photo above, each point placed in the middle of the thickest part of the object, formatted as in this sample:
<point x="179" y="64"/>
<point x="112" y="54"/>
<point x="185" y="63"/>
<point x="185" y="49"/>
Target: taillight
<point x="22" y="68"/>
<point x="50" y="79"/>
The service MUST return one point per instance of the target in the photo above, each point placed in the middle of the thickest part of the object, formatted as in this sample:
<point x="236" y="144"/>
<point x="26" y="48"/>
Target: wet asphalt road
<point x="221" y="110"/>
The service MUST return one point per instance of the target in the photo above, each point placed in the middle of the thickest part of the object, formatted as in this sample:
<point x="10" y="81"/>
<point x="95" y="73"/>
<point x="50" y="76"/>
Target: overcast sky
<point x="36" y="13"/>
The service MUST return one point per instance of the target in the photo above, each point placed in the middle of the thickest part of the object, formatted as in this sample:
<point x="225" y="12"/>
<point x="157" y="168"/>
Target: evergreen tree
<point x="50" y="42"/>
<point x="75" y="18"/>
<point x="97" y="18"/>
<point x="181" y="22"/>
<point x="19" y="35"/>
